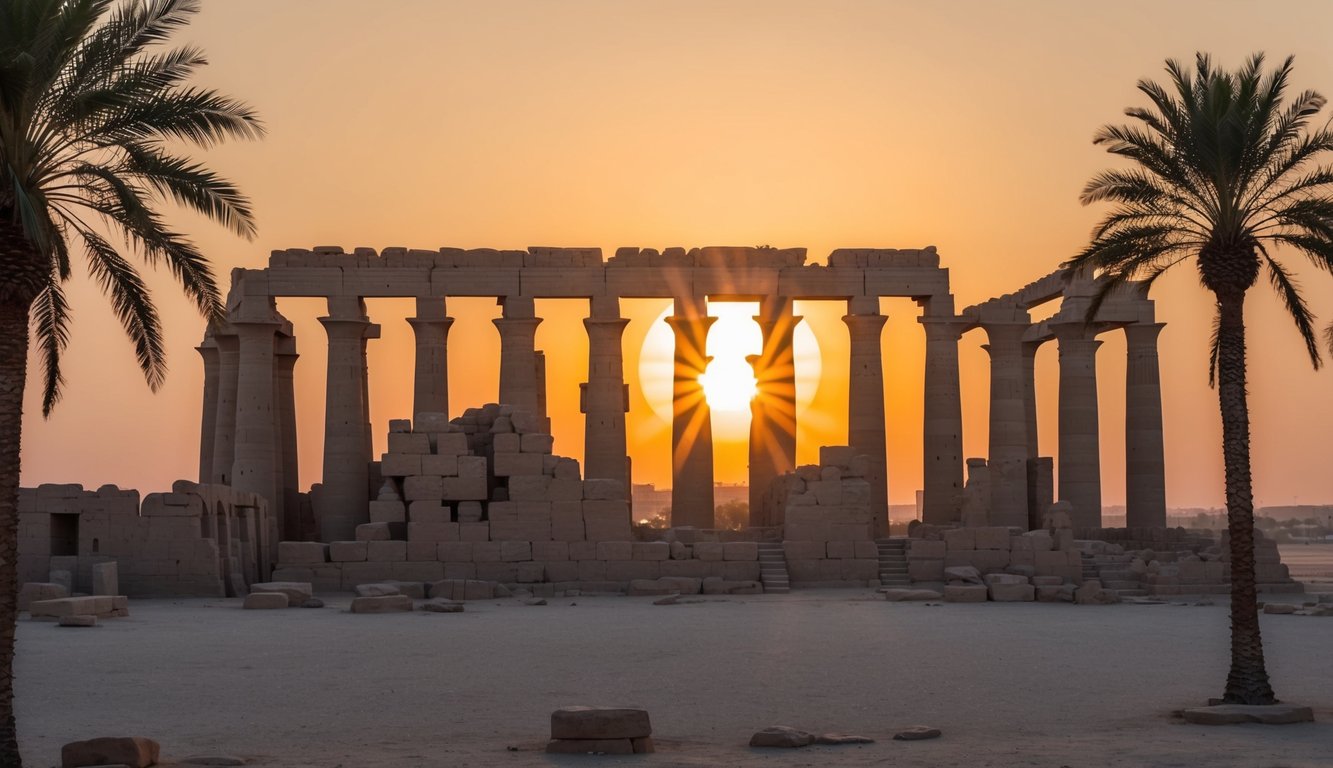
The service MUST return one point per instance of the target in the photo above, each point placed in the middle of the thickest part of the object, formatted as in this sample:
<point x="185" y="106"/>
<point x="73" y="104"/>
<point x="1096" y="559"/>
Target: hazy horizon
<point x="853" y="124"/>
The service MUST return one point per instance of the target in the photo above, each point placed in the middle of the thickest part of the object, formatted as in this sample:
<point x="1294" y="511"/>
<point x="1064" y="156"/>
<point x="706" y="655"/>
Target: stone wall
<point x="993" y="550"/>
<point x="197" y="540"/>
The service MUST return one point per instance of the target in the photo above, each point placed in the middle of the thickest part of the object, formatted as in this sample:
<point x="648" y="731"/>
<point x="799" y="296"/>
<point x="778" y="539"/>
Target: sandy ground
<point x="1009" y="684"/>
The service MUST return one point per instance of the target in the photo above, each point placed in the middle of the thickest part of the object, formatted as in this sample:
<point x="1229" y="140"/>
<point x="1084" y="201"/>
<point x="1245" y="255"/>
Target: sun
<point x="728" y="382"/>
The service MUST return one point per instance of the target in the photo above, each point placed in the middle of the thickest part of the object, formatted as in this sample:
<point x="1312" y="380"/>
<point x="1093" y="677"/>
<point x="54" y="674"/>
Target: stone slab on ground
<point x="836" y="739"/>
<point x="581" y="722"/>
<point x="297" y="592"/>
<point x="132" y="751"/>
<point x="385" y="604"/>
<point x="266" y="600"/>
<point x="77" y="621"/>
<point x="899" y="595"/>
<point x="35" y="591"/>
<point x="782" y="736"/>
<point x="917" y="733"/>
<point x="1233" y="714"/>
<point x="442" y="605"/>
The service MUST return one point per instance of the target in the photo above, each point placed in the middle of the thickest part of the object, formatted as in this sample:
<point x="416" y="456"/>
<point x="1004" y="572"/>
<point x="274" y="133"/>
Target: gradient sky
<point x="964" y="125"/>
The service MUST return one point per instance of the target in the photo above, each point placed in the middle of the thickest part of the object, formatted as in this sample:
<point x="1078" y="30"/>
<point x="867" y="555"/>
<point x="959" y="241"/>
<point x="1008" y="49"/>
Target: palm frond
<point x="50" y="325"/>
<point x="1286" y="288"/>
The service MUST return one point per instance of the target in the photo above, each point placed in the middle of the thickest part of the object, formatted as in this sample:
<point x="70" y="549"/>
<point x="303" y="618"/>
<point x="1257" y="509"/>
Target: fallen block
<point x="297" y="592"/>
<point x="781" y="736"/>
<point x="35" y="591"/>
<point x="600" y="723"/>
<point x="266" y="601"/>
<point x="134" y="752"/>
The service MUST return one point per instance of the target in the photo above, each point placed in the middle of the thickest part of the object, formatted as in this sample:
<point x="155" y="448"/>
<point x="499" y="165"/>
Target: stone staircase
<point x="893" y="562"/>
<point x="1114" y="574"/>
<point x="773" y="568"/>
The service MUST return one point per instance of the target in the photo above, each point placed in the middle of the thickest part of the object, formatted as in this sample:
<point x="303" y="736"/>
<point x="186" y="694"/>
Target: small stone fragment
<point x="917" y="733"/>
<point x="781" y="736"/>
<point x="843" y="738"/>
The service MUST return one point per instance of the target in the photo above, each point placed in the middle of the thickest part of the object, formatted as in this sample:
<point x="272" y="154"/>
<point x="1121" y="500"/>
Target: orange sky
<point x="964" y="125"/>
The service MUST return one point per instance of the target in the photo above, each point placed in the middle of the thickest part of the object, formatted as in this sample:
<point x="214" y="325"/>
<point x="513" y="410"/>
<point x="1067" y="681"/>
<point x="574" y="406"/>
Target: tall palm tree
<point x="91" y="111"/>
<point x="1223" y="172"/>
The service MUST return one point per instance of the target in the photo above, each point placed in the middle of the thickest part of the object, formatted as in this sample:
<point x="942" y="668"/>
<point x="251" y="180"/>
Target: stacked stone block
<point x="828" y="523"/>
<point x="993" y="550"/>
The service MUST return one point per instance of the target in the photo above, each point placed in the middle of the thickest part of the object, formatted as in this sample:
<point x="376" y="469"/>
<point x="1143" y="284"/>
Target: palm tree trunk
<point x="1247" y="683"/>
<point x="13" y="374"/>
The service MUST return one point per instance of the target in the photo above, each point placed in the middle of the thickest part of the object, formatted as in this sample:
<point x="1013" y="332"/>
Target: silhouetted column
<point x="773" y="408"/>
<point x="1145" y="462"/>
<point x="1030" y="396"/>
<point x="208" y="351"/>
<point x="865" y="402"/>
<point x="942" y="468"/>
<point x="256" y="461"/>
<point x="284" y="393"/>
<point x="691" y="419"/>
<point x="518" y="360"/>
<point x="430" y="392"/>
<point x="1008" y="424"/>
<point x="1079" y="468"/>
<point x="344" y="496"/>
<point x="603" y="396"/>
<point x="224" y="431"/>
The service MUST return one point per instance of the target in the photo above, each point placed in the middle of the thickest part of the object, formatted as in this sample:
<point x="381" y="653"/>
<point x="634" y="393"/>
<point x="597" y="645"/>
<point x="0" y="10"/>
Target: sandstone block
<point x="628" y="570"/>
<point x="840" y="549"/>
<point x="296" y="592"/>
<point x="742" y="570"/>
<point x="781" y="736"/>
<point x="132" y="752"/>
<point x="298" y="552"/>
<point x="265" y="600"/>
<point x="486" y="552"/>
<point x="378" y="589"/>
<point x="514" y="464"/>
<point x="507" y="442"/>
<point x="454" y="551"/>
<point x="409" y="442"/>
<point x="1012" y="593"/>
<point x="925" y="570"/>
<point x="463" y="488"/>
<point x="475" y="589"/>
<point x="709" y="550"/>
<point x="960" y="538"/>
<point x="422" y="551"/>
<point x="400" y="464"/>
<point x="650" y="550"/>
<point x="991" y="538"/>
<point x="386" y="551"/>
<point x="740" y="550"/>
<point x="1055" y="593"/>
<point x="966" y="593"/>
<point x="472" y="466"/>
<point x="387" y="512"/>
<point x="514" y="551"/>
<point x="429" y="512"/>
<point x="385" y="604"/>
<point x="444" y="466"/>
<point x="603" y="489"/>
<point x="649" y="587"/>
<point x="600" y="723"/>
<point x="35" y="591"/>
<point x="615" y="550"/>
<point x="450" y="444"/>
<point x="536" y="442"/>
<point x="432" y="532"/>
<point x="347" y="551"/>
<point x="373" y="532"/>
<point x="476" y="532"/>
<point x="550" y="551"/>
<point x="964" y="573"/>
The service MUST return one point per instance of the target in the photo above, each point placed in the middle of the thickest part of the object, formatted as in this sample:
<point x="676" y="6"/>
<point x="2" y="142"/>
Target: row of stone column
<point x="1013" y="424"/>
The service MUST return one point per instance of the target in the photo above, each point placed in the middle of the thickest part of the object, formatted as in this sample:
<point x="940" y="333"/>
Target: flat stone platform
<point x="1010" y="684"/>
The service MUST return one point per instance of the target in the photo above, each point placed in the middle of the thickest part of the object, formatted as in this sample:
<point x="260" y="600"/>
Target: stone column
<point x="208" y="350"/>
<point x="691" y="419"/>
<point x="1008" y="425"/>
<point x="942" y="470"/>
<point x="289" y="524"/>
<point x="256" y="461"/>
<point x="773" y="409"/>
<point x="431" y="382"/>
<point x="1145" y="463"/>
<point x="344" y="496"/>
<point x="865" y="402"/>
<point x="1036" y="508"/>
<point x="1079" y="467"/>
<point x="518" y="359"/>
<point x="224" y="431"/>
<point x="604" y="403"/>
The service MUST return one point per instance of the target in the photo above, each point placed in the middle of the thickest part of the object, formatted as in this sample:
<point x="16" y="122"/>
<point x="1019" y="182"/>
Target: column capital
<point x="510" y="324"/>
<point x="944" y="328"/>
<point x="857" y="322"/>
<point x="345" y="327"/>
<point x="1143" y="333"/>
<point x="430" y="322"/>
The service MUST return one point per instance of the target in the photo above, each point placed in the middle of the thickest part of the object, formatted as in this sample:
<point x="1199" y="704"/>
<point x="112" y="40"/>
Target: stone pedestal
<point x="1079" y="467"/>
<point x="865" y="408"/>
<point x="1008" y="425"/>
<point x="691" y="420"/>
<point x="1145" y="463"/>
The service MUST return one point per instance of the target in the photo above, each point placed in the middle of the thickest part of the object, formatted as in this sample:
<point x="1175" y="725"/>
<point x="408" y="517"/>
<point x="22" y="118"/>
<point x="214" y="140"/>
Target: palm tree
<point x="1224" y="171"/>
<point x="90" y="108"/>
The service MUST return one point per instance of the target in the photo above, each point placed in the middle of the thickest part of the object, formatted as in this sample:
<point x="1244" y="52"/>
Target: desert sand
<point x="1009" y="684"/>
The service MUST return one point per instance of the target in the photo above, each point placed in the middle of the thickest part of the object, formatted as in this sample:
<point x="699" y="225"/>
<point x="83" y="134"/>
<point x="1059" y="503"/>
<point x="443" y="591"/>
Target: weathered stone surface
<point x="899" y="595"/>
<point x="34" y="591"/>
<point x="600" y="723"/>
<point x="63" y="606"/>
<point x="917" y="733"/>
<point x="966" y="593"/>
<point x="133" y="751"/>
<point x="266" y="600"/>
<point x="1012" y="593"/>
<point x="668" y="600"/>
<point x="964" y="573"/>
<point x="297" y="592"/>
<point x="590" y="747"/>
<point x="842" y="738"/>
<point x="649" y="587"/>
<point x="106" y="578"/>
<point x="377" y="589"/>
<point x="1229" y="714"/>
<point x="442" y="605"/>
<point x="385" y="604"/>
<point x="77" y="621"/>
<point x="313" y="602"/>
<point x="781" y="736"/>
<point x="1279" y="608"/>
<point x="1062" y="593"/>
